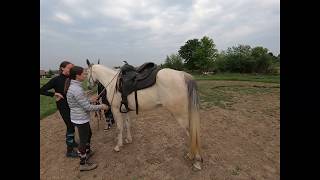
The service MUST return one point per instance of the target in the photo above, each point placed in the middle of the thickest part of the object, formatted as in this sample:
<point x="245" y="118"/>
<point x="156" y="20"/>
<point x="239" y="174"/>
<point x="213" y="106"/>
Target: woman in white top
<point x="80" y="108"/>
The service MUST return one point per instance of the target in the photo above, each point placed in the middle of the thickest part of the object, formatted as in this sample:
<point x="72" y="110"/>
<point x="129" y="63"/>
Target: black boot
<point x="71" y="152"/>
<point x="84" y="164"/>
<point x="89" y="151"/>
<point x="70" y="140"/>
<point x="75" y="144"/>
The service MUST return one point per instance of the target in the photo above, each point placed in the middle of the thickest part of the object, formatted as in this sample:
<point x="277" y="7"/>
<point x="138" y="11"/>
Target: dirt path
<point x="238" y="143"/>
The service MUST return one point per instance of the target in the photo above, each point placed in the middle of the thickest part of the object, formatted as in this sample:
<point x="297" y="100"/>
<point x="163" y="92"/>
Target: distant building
<point x="43" y="73"/>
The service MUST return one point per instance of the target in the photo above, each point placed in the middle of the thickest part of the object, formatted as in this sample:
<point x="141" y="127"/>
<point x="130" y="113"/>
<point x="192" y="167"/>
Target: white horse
<point x="174" y="90"/>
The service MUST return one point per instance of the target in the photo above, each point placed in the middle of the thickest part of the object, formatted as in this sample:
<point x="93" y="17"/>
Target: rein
<point x="99" y="95"/>
<point x="105" y="87"/>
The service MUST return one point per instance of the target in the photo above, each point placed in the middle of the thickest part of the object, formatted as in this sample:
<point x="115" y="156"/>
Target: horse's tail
<point x="194" y="118"/>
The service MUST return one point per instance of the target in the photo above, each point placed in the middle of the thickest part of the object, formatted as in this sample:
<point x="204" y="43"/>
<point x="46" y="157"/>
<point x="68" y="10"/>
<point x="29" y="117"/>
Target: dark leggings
<point x="85" y="134"/>
<point x="64" y="110"/>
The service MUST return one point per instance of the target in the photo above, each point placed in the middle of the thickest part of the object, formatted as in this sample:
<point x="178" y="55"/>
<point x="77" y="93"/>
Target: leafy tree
<point x="174" y="61"/>
<point x="199" y="55"/>
<point x="50" y="73"/>
<point x="187" y="52"/>
<point x="206" y="54"/>
<point x="263" y="59"/>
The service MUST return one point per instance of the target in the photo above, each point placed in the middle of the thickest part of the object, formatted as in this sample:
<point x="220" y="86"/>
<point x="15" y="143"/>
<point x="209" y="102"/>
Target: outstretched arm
<point x="44" y="90"/>
<point x="84" y="102"/>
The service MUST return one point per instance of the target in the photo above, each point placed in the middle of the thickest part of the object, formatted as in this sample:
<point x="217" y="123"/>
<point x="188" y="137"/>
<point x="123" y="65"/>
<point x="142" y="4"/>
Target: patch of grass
<point x="247" y="90"/>
<point x="239" y="77"/>
<point x="209" y="96"/>
<point x="213" y="94"/>
<point x="48" y="104"/>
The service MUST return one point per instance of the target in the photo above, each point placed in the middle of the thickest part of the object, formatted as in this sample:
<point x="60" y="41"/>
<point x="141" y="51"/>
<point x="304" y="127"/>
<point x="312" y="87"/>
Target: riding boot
<point x="70" y="140"/>
<point x="89" y="151"/>
<point x="84" y="164"/>
<point x="71" y="152"/>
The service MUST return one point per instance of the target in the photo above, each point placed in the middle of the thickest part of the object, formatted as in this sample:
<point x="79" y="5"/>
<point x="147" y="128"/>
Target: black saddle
<point x="131" y="79"/>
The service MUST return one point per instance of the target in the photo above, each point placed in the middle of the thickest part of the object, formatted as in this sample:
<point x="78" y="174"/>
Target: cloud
<point x="141" y="30"/>
<point x="64" y="18"/>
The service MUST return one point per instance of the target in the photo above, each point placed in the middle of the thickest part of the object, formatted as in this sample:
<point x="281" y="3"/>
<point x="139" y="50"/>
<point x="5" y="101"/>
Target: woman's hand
<point x="105" y="107"/>
<point x="94" y="99"/>
<point x="58" y="96"/>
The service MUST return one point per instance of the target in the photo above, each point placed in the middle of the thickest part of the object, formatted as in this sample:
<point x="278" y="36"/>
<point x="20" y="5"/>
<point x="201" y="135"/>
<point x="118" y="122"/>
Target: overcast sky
<point x="147" y="30"/>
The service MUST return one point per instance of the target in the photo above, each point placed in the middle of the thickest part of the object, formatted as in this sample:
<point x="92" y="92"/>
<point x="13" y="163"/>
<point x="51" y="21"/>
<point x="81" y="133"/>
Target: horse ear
<point x="88" y="63"/>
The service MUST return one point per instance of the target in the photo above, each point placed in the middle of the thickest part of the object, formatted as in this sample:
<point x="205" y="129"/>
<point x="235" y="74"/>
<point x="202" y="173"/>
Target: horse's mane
<point x="105" y="68"/>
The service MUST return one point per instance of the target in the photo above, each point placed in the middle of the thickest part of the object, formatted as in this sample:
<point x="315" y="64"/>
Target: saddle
<point x="131" y="79"/>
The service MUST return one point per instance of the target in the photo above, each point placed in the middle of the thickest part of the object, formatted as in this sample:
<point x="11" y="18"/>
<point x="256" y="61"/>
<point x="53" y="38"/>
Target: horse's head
<point x="91" y="75"/>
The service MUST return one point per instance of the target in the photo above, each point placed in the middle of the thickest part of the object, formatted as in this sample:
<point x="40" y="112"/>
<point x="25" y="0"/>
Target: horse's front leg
<point x="128" y="127"/>
<point x="119" y="120"/>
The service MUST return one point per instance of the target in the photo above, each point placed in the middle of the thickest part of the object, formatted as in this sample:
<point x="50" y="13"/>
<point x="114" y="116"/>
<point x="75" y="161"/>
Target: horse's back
<point x="169" y="85"/>
<point x="170" y="76"/>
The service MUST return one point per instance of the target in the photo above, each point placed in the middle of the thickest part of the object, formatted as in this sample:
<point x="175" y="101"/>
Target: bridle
<point x="105" y="85"/>
<point x="104" y="89"/>
<point x="90" y="76"/>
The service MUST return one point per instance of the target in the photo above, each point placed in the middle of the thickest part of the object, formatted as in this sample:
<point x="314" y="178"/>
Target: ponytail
<point x="66" y="85"/>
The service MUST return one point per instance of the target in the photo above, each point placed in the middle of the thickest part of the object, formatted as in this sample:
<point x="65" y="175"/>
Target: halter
<point x="105" y="86"/>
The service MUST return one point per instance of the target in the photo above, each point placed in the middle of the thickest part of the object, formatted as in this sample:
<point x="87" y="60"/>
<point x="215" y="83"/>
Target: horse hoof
<point x="196" y="166"/>
<point x="116" y="149"/>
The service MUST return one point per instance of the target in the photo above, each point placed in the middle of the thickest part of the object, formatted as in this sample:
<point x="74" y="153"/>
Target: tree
<point x="199" y="55"/>
<point x="220" y="62"/>
<point x="278" y="59"/>
<point x="187" y="52"/>
<point x="206" y="54"/>
<point x="174" y="61"/>
<point x="244" y="59"/>
<point x="50" y="73"/>
<point x="263" y="59"/>
<point x="238" y="59"/>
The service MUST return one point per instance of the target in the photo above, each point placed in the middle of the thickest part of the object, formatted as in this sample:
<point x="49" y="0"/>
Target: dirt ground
<point x="240" y="142"/>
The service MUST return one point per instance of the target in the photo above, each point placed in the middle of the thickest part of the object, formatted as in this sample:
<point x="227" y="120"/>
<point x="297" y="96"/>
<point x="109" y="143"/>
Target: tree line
<point x="202" y="56"/>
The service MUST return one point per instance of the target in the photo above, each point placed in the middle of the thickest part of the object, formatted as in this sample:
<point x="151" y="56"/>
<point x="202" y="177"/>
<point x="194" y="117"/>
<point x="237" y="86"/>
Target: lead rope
<point x="105" y="87"/>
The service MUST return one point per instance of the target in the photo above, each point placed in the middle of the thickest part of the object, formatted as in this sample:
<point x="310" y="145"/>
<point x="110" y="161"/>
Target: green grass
<point x="240" y="77"/>
<point x="48" y="104"/>
<point x="214" y="93"/>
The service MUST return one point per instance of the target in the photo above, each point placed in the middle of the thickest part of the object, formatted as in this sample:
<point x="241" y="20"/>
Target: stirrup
<point x="127" y="109"/>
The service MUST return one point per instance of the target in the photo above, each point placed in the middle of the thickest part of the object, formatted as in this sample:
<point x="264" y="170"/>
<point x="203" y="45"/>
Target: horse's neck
<point x="104" y="74"/>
